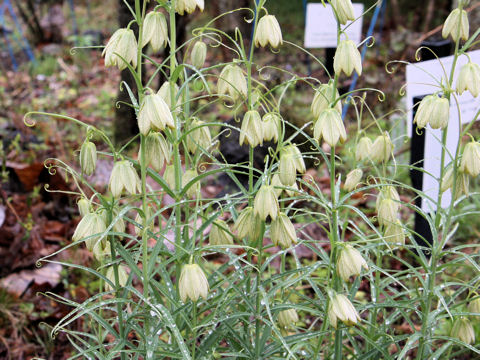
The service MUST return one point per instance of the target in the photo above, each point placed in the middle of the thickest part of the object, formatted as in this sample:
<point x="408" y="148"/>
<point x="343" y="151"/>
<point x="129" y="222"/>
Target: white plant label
<point x="422" y="79"/>
<point x="321" y="26"/>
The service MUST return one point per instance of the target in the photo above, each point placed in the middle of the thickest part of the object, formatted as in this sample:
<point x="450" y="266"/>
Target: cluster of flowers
<point x="155" y="116"/>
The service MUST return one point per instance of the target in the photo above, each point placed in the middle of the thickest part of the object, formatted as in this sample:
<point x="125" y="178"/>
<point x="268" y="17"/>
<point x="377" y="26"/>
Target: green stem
<point x="194" y="329"/>
<point x="426" y="326"/>
<point x="177" y="161"/>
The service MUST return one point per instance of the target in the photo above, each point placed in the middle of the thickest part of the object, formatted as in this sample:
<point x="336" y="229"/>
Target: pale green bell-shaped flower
<point x="193" y="283"/>
<point x="340" y="308"/>
<point x="121" y="49"/>
<point x="347" y="59"/>
<point x="155" y="31"/>
<point x="469" y="79"/>
<point x="268" y="32"/>
<point x="456" y="25"/>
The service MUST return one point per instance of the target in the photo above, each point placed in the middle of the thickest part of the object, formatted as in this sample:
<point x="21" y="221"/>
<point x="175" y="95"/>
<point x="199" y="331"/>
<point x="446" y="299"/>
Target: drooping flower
<point x="347" y="58"/>
<point x="154" y="113"/>
<point x="463" y="330"/>
<point x="220" y="233"/>
<point x="110" y="275"/>
<point x="344" y="10"/>
<point x="188" y="6"/>
<point x="350" y="262"/>
<point x="232" y="82"/>
<point x="340" y="308"/>
<point x="251" y="131"/>
<point x="124" y="177"/>
<point x="121" y="49"/>
<point x="456" y="25"/>
<point x="193" y="283"/>
<point x="268" y="32"/>
<point x="353" y="179"/>
<point x="90" y="225"/>
<point x="287" y="318"/>
<point x="155" y="31"/>
<point x="382" y="148"/>
<point x="329" y="126"/>
<point x="248" y="224"/>
<point x="199" y="136"/>
<point x="88" y="157"/>
<point x="199" y="54"/>
<point x="324" y="96"/>
<point x="469" y="79"/>
<point x="157" y="150"/>
<point x="364" y="148"/>
<point x="282" y="231"/>
<point x="271" y="126"/>
<point x="432" y="110"/>
<point x="471" y="159"/>
<point x="266" y="203"/>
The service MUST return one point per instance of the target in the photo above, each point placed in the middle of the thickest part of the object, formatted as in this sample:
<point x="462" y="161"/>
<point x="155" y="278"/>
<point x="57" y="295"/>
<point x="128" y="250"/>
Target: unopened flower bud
<point x="364" y="148"/>
<point x="287" y="318"/>
<point x="344" y="10"/>
<point x="329" y="126"/>
<point x="157" y="150"/>
<point x="122" y="277"/>
<point x="193" y="283"/>
<point x="199" y="54"/>
<point x="353" y="179"/>
<point x="347" y="58"/>
<point x="187" y="177"/>
<point x="88" y="157"/>
<point x="83" y="206"/>
<point x="271" y="126"/>
<point x="471" y="159"/>
<point x="394" y="233"/>
<point x="124" y="176"/>
<point x="268" y="32"/>
<point x="350" y="262"/>
<point x="266" y="202"/>
<point x="220" y="233"/>
<point x="165" y="92"/>
<point x="463" y="330"/>
<point x="248" y="224"/>
<point x="198" y="137"/>
<point x="121" y="49"/>
<point x="232" y="82"/>
<point x="456" y="25"/>
<point x="340" y="308"/>
<point x="91" y="224"/>
<point x="382" y="148"/>
<point x="434" y="111"/>
<point x="325" y="95"/>
<point x="251" y="131"/>
<point x="474" y="306"/>
<point x="469" y="79"/>
<point x="282" y="231"/>
<point x="188" y="6"/>
<point x="155" y="30"/>
<point x="154" y="113"/>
